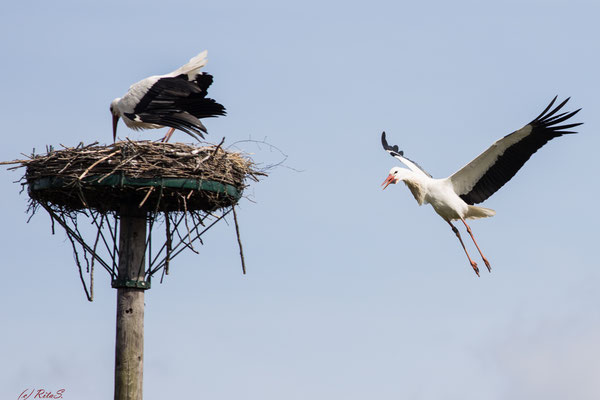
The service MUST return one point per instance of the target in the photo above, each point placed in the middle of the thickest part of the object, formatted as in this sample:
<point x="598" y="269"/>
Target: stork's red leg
<point x="487" y="264"/>
<point x="168" y="135"/>
<point x="473" y="263"/>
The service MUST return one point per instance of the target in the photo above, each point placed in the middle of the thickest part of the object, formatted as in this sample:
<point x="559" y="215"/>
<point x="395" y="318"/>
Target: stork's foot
<point x="487" y="264"/>
<point x="475" y="268"/>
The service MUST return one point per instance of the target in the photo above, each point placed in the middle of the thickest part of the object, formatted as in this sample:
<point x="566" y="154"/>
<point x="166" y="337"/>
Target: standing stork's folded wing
<point x="177" y="100"/>
<point x="487" y="173"/>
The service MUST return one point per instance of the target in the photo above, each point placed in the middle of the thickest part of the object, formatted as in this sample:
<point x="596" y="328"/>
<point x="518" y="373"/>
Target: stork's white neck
<point x="414" y="181"/>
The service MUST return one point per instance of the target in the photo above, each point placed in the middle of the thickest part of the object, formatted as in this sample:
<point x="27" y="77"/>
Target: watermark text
<point x="32" y="394"/>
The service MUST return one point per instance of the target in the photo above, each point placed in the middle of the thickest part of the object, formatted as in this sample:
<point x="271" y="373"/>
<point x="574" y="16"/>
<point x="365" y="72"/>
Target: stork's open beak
<point x="115" y="122"/>
<point x="390" y="179"/>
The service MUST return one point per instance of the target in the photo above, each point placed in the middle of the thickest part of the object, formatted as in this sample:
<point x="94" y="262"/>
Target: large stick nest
<point x="155" y="176"/>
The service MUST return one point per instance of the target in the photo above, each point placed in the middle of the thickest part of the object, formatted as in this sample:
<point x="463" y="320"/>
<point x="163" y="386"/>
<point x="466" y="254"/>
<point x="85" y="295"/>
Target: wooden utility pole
<point x="130" y="285"/>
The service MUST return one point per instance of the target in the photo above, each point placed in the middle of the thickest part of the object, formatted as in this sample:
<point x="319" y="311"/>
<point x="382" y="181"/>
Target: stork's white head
<point x="116" y="113"/>
<point x="396" y="175"/>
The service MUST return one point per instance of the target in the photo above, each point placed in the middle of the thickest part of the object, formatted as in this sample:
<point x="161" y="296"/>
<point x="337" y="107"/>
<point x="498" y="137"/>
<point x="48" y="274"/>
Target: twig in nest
<point x="237" y="231"/>
<point x="96" y="163"/>
<point x="117" y="167"/>
<point x="14" y="162"/>
<point x="218" y="147"/>
<point x="146" y="197"/>
<point x="81" y="196"/>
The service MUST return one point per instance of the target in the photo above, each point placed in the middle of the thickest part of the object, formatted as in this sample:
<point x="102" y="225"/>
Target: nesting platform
<point x="155" y="176"/>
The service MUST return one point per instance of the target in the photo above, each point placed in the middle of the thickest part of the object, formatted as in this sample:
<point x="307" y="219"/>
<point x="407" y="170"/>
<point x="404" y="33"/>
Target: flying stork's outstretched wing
<point x="487" y="173"/>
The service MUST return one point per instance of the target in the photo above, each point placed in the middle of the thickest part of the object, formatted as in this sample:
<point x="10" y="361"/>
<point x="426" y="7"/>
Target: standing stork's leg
<point x="487" y="264"/>
<point x="168" y="135"/>
<point x="455" y="230"/>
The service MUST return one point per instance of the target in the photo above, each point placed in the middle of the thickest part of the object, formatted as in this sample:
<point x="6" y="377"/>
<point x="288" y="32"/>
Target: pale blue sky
<point x="351" y="292"/>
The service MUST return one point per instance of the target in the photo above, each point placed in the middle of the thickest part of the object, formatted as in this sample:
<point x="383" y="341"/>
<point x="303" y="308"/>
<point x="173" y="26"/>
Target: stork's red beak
<point x="115" y="122"/>
<point x="390" y="179"/>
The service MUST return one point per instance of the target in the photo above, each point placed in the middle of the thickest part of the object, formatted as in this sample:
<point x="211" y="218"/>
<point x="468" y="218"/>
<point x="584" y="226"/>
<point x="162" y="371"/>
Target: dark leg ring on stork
<point x="487" y="264"/>
<point x="473" y="263"/>
<point x="168" y="135"/>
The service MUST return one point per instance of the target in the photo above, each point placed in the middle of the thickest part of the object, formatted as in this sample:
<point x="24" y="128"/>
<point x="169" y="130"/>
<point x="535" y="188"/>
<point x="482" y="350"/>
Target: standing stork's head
<point x="114" y="110"/>
<point x="396" y="175"/>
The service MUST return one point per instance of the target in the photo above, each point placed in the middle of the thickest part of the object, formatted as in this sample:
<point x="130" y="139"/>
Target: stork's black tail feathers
<point x="204" y="108"/>
<point x="201" y="106"/>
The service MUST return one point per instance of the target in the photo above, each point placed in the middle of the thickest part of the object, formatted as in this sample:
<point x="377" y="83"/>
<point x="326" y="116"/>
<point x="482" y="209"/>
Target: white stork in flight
<point x="453" y="198"/>
<point x="177" y="100"/>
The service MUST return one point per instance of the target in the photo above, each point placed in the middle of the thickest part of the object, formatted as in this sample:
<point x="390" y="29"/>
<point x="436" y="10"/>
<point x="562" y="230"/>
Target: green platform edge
<point x="121" y="181"/>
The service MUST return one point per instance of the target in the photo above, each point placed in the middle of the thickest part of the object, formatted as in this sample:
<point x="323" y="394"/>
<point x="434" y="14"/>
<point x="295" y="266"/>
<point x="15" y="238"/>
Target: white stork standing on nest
<point x="453" y="198"/>
<point x="177" y="100"/>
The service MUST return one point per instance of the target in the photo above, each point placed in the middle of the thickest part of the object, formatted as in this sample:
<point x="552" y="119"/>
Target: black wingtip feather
<point x="568" y="126"/>
<point x="389" y="148"/>
<point x="557" y="116"/>
<point x="384" y="142"/>
<point x="547" y="108"/>
<point x="554" y="122"/>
